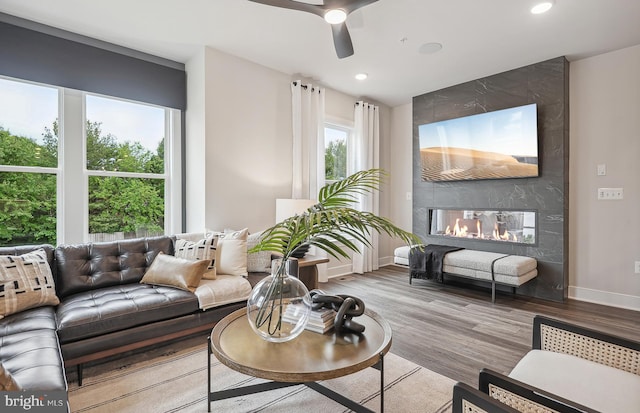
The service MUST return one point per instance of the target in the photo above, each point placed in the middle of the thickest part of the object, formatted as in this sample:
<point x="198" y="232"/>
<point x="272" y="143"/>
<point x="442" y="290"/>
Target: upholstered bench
<point x="496" y="268"/>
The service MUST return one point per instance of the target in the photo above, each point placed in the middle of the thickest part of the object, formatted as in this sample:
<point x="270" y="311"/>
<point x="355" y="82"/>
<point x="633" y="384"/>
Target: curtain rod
<point x="313" y="89"/>
<point x="367" y="104"/>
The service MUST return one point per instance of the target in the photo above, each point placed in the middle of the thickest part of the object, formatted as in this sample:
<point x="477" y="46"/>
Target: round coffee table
<point x="304" y="360"/>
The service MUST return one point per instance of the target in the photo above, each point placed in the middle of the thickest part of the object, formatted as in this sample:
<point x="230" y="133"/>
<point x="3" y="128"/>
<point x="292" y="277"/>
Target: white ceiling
<point x="479" y="37"/>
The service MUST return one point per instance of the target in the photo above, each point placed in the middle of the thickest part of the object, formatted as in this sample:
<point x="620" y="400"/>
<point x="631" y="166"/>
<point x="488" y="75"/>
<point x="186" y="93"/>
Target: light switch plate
<point x="610" y="194"/>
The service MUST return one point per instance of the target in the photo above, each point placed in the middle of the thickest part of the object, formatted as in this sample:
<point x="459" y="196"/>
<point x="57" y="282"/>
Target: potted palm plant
<point x="332" y="225"/>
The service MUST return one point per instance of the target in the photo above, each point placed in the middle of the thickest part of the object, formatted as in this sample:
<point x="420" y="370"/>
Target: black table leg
<point x="272" y="385"/>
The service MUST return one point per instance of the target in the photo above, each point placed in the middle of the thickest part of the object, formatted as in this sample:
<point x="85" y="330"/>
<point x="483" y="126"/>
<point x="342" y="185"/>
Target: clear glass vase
<point x="279" y="305"/>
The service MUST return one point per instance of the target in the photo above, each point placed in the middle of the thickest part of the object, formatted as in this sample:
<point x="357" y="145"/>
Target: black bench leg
<point x="79" y="370"/>
<point x="493" y="292"/>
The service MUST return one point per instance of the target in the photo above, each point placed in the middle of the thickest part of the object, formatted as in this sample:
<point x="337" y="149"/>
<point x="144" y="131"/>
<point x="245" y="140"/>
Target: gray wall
<point x="547" y="85"/>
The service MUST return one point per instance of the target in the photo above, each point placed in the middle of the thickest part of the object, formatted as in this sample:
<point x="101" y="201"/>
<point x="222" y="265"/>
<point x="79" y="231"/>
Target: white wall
<point x="605" y="129"/>
<point x="401" y="150"/>
<point x="239" y="134"/>
<point x="195" y="120"/>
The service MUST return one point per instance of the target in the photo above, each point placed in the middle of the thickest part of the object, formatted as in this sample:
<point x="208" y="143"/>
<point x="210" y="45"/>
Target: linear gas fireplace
<point x="488" y="225"/>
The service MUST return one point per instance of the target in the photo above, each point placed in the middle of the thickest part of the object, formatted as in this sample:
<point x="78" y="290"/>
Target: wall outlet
<point x="609" y="194"/>
<point x="409" y="196"/>
<point x="602" y="169"/>
<point x="637" y="267"/>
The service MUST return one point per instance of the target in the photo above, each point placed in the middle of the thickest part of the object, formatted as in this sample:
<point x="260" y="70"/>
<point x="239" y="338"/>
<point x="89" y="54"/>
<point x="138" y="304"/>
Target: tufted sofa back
<point x="82" y="267"/>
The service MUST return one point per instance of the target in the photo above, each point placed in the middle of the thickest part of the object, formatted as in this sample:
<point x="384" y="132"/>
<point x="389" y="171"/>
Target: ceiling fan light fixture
<point x="542" y="7"/>
<point x="335" y="16"/>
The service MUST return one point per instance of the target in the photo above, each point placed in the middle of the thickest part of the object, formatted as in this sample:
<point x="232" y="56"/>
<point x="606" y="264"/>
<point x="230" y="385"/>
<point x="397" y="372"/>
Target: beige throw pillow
<point x="231" y="258"/>
<point x="25" y="282"/>
<point x="171" y="271"/>
<point x="204" y="249"/>
<point x="7" y="383"/>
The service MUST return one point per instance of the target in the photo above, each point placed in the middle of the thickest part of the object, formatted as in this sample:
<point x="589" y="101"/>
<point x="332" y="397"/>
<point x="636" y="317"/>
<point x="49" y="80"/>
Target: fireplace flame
<point x="505" y="236"/>
<point x="459" y="232"/>
<point x="489" y="225"/>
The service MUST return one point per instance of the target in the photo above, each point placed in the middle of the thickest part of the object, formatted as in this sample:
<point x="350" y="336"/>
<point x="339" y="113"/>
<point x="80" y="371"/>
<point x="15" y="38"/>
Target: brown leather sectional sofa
<point x="104" y="310"/>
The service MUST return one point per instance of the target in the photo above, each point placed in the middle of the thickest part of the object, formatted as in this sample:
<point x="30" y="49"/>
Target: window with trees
<point x="125" y="160"/>
<point x="335" y="152"/>
<point x="123" y="183"/>
<point x="28" y="163"/>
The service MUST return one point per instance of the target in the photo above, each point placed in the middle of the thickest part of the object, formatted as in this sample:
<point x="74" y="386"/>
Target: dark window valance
<point x="36" y="56"/>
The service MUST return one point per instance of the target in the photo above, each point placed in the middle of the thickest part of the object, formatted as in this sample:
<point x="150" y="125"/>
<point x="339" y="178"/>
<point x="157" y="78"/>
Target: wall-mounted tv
<point x="492" y="145"/>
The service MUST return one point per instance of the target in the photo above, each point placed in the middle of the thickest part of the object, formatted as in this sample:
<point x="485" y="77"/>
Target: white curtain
<point x="308" y="140"/>
<point x="364" y="154"/>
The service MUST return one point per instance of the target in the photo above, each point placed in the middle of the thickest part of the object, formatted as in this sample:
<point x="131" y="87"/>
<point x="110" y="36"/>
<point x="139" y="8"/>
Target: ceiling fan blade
<point x="342" y="40"/>
<point x="293" y="5"/>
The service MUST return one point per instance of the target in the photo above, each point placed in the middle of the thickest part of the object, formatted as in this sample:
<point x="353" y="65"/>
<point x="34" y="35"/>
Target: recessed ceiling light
<point x="542" y="7"/>
<point x="362" y="76"/>
<point x="429" y="48"/>
<point x="335" y="16"/>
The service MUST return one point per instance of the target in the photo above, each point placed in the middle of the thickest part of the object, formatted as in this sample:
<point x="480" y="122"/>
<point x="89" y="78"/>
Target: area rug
<point x="173" y="378"/>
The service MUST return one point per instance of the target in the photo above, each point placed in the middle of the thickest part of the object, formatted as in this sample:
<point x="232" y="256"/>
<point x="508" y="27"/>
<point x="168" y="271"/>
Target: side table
<point x="308" y="270"/>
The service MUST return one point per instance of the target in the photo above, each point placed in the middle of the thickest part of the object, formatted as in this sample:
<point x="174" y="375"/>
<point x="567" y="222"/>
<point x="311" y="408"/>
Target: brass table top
<point x="308" y="357"/>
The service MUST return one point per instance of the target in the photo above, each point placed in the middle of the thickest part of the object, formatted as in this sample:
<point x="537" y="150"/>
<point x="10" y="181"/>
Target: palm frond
<point x="332" y="224"/>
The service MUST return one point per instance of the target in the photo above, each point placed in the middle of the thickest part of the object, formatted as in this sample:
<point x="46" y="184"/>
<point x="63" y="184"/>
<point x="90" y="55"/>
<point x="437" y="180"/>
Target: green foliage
<point x="104" y="153"/>
<point x="125" y="204"/>
<point x="335" y="160"/>
<point x="27" y="208"/>
<point x="28" y="200"/>
<point x="332" y="224"/>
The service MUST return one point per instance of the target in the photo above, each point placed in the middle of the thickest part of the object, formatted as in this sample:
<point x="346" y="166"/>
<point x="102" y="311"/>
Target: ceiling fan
<point x="334" y="12"/>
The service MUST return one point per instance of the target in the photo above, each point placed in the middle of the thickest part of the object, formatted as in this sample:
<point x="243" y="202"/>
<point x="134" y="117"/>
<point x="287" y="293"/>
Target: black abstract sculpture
<point x="345" y="306"/>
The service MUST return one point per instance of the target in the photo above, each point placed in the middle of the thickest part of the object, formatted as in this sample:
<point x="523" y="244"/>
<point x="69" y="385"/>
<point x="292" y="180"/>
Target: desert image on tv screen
<point x="492" y="145"/>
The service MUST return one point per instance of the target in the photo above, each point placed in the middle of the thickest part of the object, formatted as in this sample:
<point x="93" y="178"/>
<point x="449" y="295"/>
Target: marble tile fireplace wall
<point x="546" y="84"/>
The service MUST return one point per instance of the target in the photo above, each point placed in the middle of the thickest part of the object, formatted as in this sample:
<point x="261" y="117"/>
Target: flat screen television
<point x="492" y="145"/>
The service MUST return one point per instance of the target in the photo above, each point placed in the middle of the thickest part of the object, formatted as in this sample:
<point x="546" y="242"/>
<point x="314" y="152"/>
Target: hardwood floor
<point x="455" y="330"/>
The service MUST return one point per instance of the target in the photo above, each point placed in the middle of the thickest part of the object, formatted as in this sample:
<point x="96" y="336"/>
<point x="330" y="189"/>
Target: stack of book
<point x="320" y="321"/>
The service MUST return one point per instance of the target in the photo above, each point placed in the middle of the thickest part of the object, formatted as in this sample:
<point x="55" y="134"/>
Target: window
<point x="125" y="161"/>
<point x="335" y="152"/>
<point x="28" y="163"/>
<point x="77" y="167"/>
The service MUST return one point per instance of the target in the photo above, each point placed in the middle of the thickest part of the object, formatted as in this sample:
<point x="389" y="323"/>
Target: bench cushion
<point x="591" y="384"/>
<point x="514" y="280"/>
<point x="508" y="269"/>
<point x="93" y="313"/>
<point x="481" y="261"/>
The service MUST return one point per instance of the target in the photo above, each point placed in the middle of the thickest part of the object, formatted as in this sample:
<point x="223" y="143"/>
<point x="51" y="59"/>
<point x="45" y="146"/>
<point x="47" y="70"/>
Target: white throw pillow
<point x="257" y="261"/>
<point x="231" y="256"/>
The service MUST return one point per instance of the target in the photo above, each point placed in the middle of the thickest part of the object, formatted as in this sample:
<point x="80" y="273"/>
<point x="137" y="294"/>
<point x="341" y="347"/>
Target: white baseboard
<point x="382" y="261"/>
<point x="631" y="302"/>
<point x="346" y="267"/>
<point x="340" y="270"/>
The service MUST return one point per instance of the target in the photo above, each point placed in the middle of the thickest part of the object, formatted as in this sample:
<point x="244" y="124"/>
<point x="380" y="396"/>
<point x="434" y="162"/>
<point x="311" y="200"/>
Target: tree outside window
<point x="335" y="155"/>
<point x="125" y="164"/>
